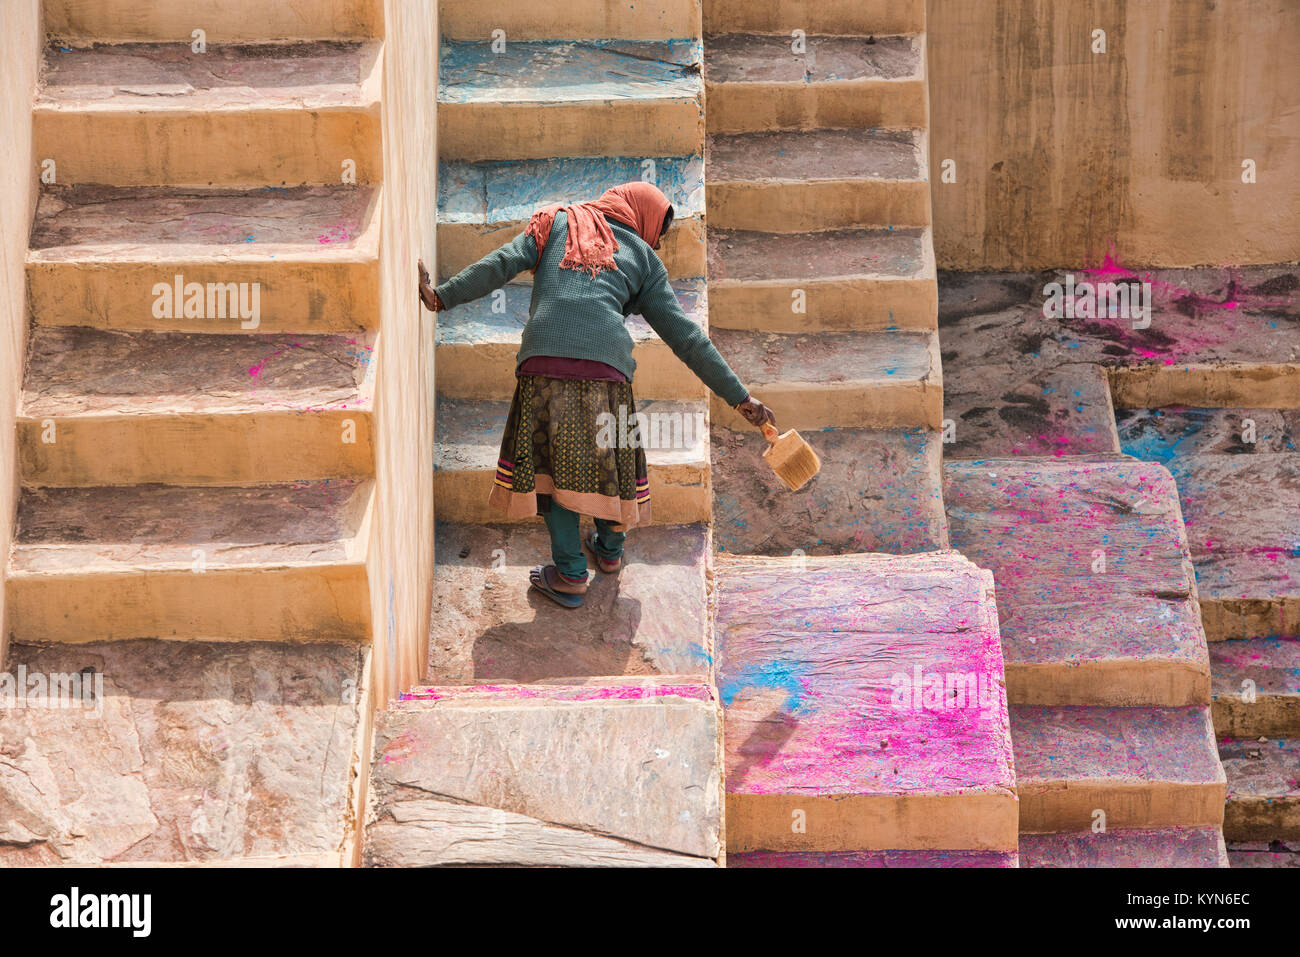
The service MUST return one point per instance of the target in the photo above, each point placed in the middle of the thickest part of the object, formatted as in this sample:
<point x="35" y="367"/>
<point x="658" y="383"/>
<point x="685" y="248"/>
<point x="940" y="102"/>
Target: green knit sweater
<point x="577" y="316"/>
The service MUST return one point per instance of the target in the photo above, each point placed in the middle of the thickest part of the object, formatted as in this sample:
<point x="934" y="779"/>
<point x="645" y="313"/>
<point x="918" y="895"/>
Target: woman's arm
<point x="658" y="303"/>
<point x="491" y="272"/>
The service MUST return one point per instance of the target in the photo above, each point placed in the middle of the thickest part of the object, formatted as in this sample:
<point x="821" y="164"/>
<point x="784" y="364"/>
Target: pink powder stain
<point x="334" y="234"/>
<point x="1192" y="337"/>
<point x="362" y="356"/>
<point x="256" y="371"/>
<point x="1111" y="269"/>
<point x="400" y="748"/>
<point x="1270" y="554"/>
<point x="850" y="737"/>
<point x="565" y="693"/>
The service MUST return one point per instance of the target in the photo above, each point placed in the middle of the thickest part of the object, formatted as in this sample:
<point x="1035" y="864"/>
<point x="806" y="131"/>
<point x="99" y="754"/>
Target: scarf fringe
<point x="591" y="269"/>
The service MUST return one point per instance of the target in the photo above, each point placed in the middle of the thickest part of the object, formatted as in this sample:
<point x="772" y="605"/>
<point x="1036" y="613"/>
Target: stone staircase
<point x="581" y="97"/>
<point x="775" y="680"/>
<point x="1107" y="669"/>
<point x="1245" y="545"/>
<point x="531" y="122"/>
<point x="1191" y="532"/>
<point x="195" y="447"/>
<point x="822" y="290"/>
<point x="822" y="294"/>
<point x="552" y="737"/>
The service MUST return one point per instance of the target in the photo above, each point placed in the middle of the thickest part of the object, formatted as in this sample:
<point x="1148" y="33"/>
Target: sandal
<point x="604" y="564"/>
<point x="543" y="578"/>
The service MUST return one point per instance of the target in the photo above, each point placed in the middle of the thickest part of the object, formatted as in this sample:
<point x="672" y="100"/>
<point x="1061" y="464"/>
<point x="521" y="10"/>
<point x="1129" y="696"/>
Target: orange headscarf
<point x="590" y="245"/>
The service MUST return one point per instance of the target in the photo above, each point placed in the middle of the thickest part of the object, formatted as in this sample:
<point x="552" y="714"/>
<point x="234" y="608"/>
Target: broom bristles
<point x="793" y="460"/>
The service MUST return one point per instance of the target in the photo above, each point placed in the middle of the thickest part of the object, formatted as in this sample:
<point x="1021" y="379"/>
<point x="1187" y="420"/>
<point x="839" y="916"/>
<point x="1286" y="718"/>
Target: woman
<point x="593" y="265"/>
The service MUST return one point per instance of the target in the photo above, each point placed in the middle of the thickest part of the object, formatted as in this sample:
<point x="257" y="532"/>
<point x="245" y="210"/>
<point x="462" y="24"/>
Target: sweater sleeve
<point x="658" y="303"/>
<point x="491" y="272"/>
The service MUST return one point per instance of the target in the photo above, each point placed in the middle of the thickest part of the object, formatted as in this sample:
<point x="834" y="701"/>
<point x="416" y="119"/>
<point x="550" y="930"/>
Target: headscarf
<point x="590" y="244"/>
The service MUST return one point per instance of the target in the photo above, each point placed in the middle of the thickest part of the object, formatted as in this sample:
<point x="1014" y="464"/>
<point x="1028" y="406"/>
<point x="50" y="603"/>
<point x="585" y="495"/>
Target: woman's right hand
<point x="755" y="412"/>
<point x="427" y="295"/>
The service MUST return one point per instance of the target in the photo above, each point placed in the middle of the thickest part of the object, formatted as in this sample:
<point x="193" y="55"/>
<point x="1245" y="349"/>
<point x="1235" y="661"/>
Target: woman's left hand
<point x="755" y="412"/>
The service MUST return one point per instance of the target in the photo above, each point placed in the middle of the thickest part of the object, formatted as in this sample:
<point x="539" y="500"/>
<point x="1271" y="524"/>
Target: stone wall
<point x="401" y="545"/>
<point x="20" y="52"/>
<point x="1064" y="155"/>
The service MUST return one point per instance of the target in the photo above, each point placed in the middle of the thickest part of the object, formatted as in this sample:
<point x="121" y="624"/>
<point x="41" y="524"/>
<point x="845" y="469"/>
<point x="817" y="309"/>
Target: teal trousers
<point x="566" y="541"/>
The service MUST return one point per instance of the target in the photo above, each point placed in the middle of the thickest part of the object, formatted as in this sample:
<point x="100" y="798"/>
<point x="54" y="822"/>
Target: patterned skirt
<point x="567" y="440"/>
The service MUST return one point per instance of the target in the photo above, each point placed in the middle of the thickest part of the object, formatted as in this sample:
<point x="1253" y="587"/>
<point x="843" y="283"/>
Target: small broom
<point x="791" y="458"/>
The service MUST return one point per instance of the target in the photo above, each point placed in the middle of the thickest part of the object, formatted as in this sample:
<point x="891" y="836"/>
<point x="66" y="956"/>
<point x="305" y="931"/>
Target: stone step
<point x="476" y="347"/>
<point x="1164" y="847"/>
<point x="885" y="17"/>
<point x="1096" y="593"/>
<point x="158" y="114"/>
<point x="120" y="21"/>
<point x="795" y="181"/>
<point x="303" y="259"/>
<point x="651" y="619"/>
<point x="878" y="491"/>
<point x="904" y="859"/>
<point x="1017" y="382"/>
<point x="542" y="99"/>
<point x="584" y="774"/>
<point x="1263" y="788"/>
<point x="1000" y="409"/>
<point x="468" y="445"/>
<point x="832" y="722"/>
<point x="1162" y="435"/>
<point x="836" y="379"/>
<point x="268" y="562"/>
<point x="755" y="82"/>
<point x="1246" y="548"/>
<point x="575" y="20"/>
<point x="1141" y="767"/>
<point x="839" y="280"/>
<point x="1152" y="379"/>
<point x="1256" y="687"/>
<point x="1264" y="854"/>
<point x="103" y="407"/>
<point x="1251" y="358"/>
<point x="198" y="753"/>
<point x="482" y="206"/>
<point x="1245" y="545"/>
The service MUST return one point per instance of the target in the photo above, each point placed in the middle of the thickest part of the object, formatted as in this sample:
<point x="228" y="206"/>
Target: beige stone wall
<point x="224" y="21"/>
<point x="20" y="46"/>
<point x="1062" y="153"/>
<point x="400" y="557"/>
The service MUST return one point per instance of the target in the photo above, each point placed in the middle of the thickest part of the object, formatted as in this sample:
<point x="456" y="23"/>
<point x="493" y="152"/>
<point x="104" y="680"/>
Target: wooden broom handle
<point x="770" y="433"/>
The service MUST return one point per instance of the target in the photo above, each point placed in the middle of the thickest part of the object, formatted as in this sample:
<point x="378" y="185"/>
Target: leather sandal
<point x="547" y="580"/>
<point x="604" y="564"/>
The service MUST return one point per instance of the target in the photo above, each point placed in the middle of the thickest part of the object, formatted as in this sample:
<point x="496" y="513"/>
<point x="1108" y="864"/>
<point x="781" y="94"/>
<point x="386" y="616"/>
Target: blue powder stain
<point x="510" y="190"/>
<point x="697" y="651"/>
<point x="1152" y="446"/>
<point x="781" y="675"/>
